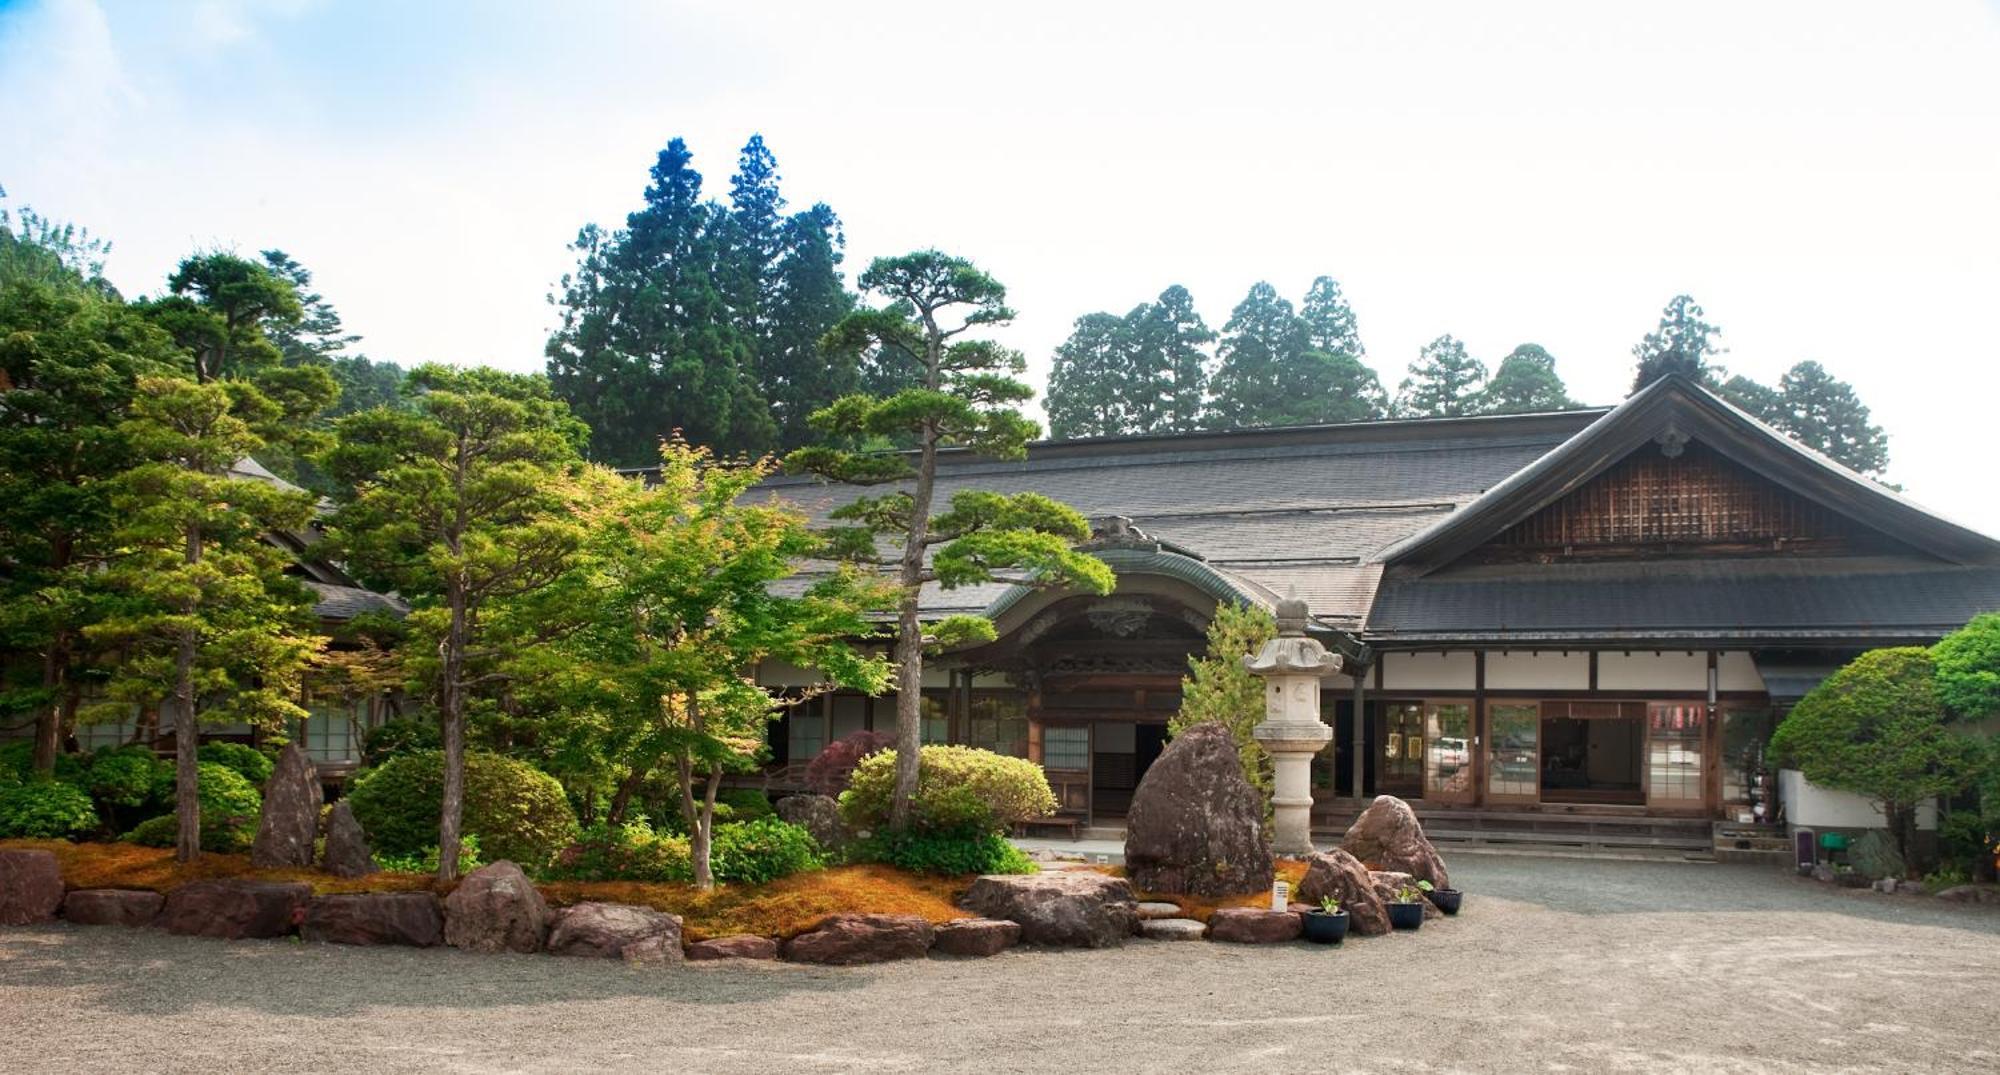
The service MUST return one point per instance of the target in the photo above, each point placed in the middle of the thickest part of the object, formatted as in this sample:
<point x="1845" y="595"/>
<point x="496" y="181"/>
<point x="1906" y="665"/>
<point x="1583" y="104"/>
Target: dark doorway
<point x="1148" y="741"/>
<point x="1592" y="760"/>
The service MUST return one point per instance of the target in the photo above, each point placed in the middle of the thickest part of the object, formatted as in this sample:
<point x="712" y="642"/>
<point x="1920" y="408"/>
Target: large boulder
<point x="849" y="939"/>
<point x="290" y="821"/>
<point x="496" y="909"/>
<point x="1071" y="908"/>
<point x="977" y="936"/>
<point x="347" y="852"/>
<point x="31" y="887"/>
<point x="735" y="946"/>
<point x="1196" y="826"/>
<point x="1387" y="836"/>
<point x="1253" y="925"/>
<point x="235" y="909"/>
<point x="1340" y="875"/>
<point x="112" y="907"/>
<point x="817" y="814"/>
<point x="1988" y="894"/>
<point x="408" y="918"/>
<point x="1389" y="882"/>
<point x="607" y="930"/>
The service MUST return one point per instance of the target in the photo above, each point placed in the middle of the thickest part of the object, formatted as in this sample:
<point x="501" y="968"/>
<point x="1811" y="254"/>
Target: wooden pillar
<point x="1357" y="758"/>
<point x="1476" y="750"/>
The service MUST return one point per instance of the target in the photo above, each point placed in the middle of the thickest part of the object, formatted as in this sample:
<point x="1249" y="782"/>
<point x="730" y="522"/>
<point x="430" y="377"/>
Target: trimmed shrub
<point x="248" y="762"/>
<point x="745" y="804"/>
<point x="126" y="777"/>
<point x="950" y="854"/>
<point x="47" y="810"/>
<point x="959" y="790"/>
<point x="17" y="759"/>
<point x="830" y="770"/>
<point x="403" y="735"/>
<point x="628" y="852"/>
<point x="754" y="852"/>
<point x="230" y="809"/>
<point x="518" y="812"/>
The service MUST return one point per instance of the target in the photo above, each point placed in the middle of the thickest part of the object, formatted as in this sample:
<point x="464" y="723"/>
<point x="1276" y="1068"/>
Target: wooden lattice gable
<point x="1676" y="469"/>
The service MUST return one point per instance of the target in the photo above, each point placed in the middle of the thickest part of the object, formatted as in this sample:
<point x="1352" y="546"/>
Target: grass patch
<point x="781" y="908"/>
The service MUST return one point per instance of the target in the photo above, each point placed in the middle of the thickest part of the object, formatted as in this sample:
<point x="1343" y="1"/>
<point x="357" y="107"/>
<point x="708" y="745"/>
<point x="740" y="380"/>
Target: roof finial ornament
<point x="1292" y="615"/>
<point x="1672" y="441"/>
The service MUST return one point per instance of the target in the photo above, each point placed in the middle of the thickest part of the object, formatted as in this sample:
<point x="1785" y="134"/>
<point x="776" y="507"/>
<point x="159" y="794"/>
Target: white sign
<point x="1281" y="895"/>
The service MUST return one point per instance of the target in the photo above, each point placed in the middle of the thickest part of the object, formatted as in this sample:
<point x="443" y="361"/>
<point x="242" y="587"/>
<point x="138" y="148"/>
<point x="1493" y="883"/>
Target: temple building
<point x="1594" y="613"/>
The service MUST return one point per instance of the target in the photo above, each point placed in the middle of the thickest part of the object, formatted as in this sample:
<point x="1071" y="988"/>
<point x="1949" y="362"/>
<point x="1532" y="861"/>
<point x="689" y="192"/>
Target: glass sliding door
<point x="1674" y="776"/>
<point x="1399" y="770"/>
<point x="1513" y="757"/>
<point x="1448" y="752"/>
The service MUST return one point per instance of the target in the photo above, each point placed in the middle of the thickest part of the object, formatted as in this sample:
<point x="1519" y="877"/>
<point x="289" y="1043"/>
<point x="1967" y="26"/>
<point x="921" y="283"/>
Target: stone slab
<point x="1173" y="929"/>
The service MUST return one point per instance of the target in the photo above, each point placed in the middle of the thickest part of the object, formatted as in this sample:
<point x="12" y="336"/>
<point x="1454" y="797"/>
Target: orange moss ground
<point x="782" y="908"/>
<point x="1198" y="907"/>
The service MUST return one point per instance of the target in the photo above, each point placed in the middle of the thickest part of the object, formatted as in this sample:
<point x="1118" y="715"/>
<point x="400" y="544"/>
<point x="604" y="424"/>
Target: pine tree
<point x="1257" y="381"/>
<point x="1682" y="344"/>
<point x="1219" y="690"/>
<point x="966" y="394"/>
<point x="1089" y="379"/>
<point x="1330" y="324"/>
<point x="1524" y="383"/>
<point x="221" y="309"/>
<point x="1444" y="382"/>
<point x="807" y="298"/>
<point x="1171" y="345"/>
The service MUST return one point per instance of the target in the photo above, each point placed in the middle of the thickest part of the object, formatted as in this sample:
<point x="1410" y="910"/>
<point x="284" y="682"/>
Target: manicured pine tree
<point x="965" y="394"/>
<point x="1525" y="382"/>
<point x="1444" y="382"/>
<point x="221" y="309"/>
<point x="1683" y="344"/>
<point x="467" y="501"/>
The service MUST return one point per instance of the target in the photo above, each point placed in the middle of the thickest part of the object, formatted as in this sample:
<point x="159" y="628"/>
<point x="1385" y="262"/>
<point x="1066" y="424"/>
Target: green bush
<point x="959" y="790"/>
<point x="754" y="852"/>
<point x="126" y="777"/>
<point x="518" y="812"/>
<point x="745" y="804"/>
<point x="17" y="759"/>
<point x="426" y="861"/>
<point x="404" y="735"/>
<point x="945" y="853"/>
<point x="46" y="810"/>
<point x="248" y="762"/>
<point x="230" y="809"/>
<point x="632" y="851"/>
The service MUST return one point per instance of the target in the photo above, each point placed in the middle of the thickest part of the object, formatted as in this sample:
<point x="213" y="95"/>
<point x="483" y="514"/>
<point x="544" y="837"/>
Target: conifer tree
<point x="1257" y="382"/>
<point x="1444" y="382"/>
<point x="1171" y="342"/>
<point x="1330" y="323"/>
<point x="1525" y="382"/>
<point x="1089" y="379"/>
<point x="964" y="394"/>
<point x="1683" y="344"/>
<point x="1818" y="410"/>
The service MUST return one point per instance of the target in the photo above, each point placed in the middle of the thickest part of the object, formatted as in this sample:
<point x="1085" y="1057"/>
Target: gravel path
<point x="1556" y="965"/>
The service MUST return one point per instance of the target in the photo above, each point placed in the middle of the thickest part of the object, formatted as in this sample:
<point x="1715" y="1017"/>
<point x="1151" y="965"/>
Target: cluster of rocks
<point x="289" y="827"/>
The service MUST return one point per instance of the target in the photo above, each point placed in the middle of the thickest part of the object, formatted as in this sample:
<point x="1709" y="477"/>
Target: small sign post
<point x="1281" y="895"/>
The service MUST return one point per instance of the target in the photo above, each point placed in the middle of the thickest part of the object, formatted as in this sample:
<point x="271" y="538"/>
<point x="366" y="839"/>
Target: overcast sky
<point x="1823" y="177"/>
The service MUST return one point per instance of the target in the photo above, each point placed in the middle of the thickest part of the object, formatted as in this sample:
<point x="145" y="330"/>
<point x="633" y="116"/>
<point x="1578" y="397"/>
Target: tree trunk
<point x="910" y="638"/>
<point x="622" y="799"/>
<point x="48" y="722"/>
<point x="451" y="705"/>
<point x="187" y="777"/>
<point x="1902" y="825"/>
<point x="700" y="818"/>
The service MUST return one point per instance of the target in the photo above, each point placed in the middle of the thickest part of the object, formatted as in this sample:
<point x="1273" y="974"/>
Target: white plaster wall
<point x="1520" y="670"/>
<point x="1671" y="670"/>
<point x="1737" y="671"/>
<point x="1812" y="806"/>
<point x="1446" y="671"/>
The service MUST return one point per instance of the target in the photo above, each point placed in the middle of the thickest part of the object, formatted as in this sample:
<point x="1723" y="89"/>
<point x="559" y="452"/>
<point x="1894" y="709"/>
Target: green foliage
<point x="1819" y="411"/>
<point x="128" y="777"/>
<point x="470" y="857"/>
<point x="1524" y="383"/>
<point x="1444" y="382"/>
<point x="745" y="804"/>
<point x="248" y="762"/>
<point x="230" y="811"/>
<point x="1219" y="690"/>
<point x="517" y="812"/>
<point x="1682" y="344"/>
<point x="47" y="810"/>
<point x="402" y="735"/>
<point x="756" y="852"/>
<point x="37" y="250"/>
<point x="1280" y="368"/>
<point x="1145" y="372"/>
<point x="959" y="790"/>
<point x="1877" y="728"/>
<point x="631" y="851"/>
<point x="1968" y="668"/>
<point x="950" y="854"/>
<point x="1968" y="844"/>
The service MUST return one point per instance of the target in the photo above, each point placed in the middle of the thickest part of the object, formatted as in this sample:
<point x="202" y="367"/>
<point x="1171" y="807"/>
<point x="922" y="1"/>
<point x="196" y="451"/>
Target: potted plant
<point x="1327" y="923"/>
<point x="1406" y="910"/>
<point x="1444" y="899"/>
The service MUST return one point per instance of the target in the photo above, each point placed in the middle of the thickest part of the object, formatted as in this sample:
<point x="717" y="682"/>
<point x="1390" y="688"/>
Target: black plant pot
<point x="1407" y="915"/>
<point x="1446" y="899"/>
<point x="1323" y="928"/>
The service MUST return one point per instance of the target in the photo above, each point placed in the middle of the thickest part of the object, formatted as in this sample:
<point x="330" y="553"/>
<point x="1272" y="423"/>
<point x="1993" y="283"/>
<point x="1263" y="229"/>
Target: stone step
<point x="1172" y="929"/>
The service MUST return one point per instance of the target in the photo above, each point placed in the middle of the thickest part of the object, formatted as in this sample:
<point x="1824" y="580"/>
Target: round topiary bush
<point x="126" y="777"/>
<point x="754" y="852"/>
<point x="518" y="812"/>
<point x="46" y="810"/>
<point x="959" y="790"/>
<point x="248" y="762"/>
<point x="230" y="809"/>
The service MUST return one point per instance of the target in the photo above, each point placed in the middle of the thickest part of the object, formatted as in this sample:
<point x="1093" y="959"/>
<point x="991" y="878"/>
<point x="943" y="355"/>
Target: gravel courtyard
<point x="1556" y="965"/>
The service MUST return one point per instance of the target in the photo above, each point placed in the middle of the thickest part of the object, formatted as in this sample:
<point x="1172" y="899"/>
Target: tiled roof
<point x="341" y="603"/>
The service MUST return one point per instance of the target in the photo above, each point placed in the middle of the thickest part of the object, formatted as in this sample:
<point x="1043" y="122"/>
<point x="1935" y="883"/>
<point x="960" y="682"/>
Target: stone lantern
<point x="1292" y="667"/>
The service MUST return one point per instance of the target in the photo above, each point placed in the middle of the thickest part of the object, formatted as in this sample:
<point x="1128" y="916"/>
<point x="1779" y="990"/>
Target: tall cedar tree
<point x="964" y="395"/>
<point x="1219" y="690"/>
<point x="1281" y="368"/>
<point x="1145" y="372"/>
<point x="461" y="503"/>
<point x="1444" y="382"/>
<point x="674" y="600"/>
<point x="1353" y="392"/>
<point x="1683" y="344"/>
<point x="70" y="363"/>
<point x="1819" y="411"/>
<point x="207" y="622"/>
<point x="1525" y="382"/>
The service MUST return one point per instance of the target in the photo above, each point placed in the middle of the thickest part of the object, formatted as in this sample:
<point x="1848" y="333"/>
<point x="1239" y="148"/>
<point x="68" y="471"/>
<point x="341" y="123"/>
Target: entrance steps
<point x="1593" y="833"/>
<point x="1761" y="845"/>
